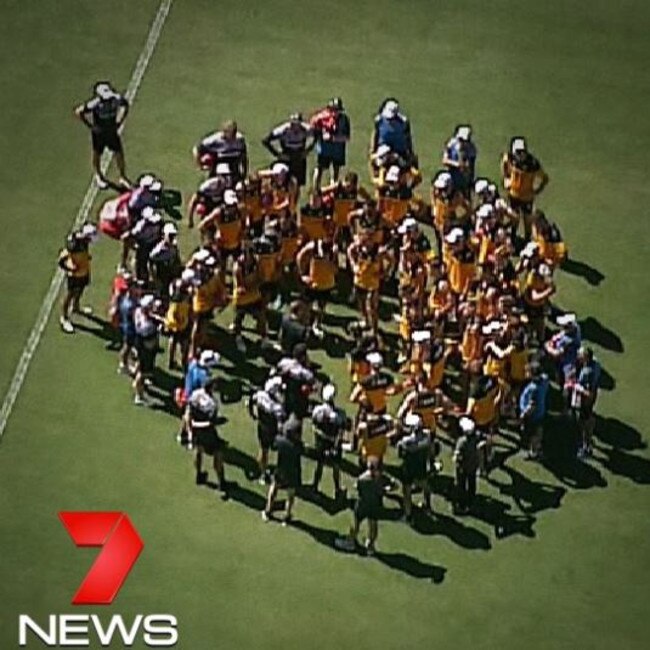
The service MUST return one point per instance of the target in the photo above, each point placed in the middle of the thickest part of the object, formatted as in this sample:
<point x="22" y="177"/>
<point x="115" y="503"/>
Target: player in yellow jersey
<point x="524" y="179"/>
<point x="250" y="195"/>
<point x="483" y="407"/>
<point x="393" y="194"/>
<point x="368" y="263"/>
<point x="344" y="197"/>
<point x="246" y="295"/>
<point x="208" y="294"/>
<point x="315" y="220"/>
<point x="449" y="208"/>
<point x="74" y="260"/>
<point x="224" y="227"/>
<point x="537" y="291"/>
<point x="268" y="250"/>
<point x="317" y="266"/>
<point x="372" y="392"/>
<point x="461" y="262"/>
<point x="548" y="237"/>
<point x="177" y="318"/>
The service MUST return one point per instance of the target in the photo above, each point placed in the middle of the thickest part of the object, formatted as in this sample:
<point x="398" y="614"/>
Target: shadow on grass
<point x="595" y="332"/>
<point x="401" y="562"/>
<point x="574" y="267"/>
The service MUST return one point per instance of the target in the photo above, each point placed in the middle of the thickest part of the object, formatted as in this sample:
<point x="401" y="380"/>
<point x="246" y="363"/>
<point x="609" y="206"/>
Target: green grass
<point x="572" y="77"/>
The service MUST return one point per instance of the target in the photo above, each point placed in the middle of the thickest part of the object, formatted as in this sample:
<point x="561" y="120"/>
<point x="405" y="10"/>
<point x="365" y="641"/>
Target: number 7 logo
<point x="121" y="547"/>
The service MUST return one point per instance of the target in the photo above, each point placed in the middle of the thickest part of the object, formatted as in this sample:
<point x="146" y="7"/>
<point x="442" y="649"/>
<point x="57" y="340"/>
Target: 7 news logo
<point x="120" y="548"/>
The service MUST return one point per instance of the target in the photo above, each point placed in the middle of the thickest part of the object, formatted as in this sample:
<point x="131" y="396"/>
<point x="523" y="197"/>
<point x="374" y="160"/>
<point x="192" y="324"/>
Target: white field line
<point x="36" y="332"/>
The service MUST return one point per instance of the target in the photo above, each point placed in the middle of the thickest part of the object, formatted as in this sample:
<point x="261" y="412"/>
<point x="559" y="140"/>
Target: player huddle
<point x="464" y="269"/>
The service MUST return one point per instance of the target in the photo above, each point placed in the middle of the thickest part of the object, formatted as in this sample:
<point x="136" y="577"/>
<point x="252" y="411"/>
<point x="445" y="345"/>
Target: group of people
<point x="466" y="270"/>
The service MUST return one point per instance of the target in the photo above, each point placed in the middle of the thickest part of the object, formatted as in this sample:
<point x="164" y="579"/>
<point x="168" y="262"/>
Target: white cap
<point x="392" y="175"/>
<point x="329" y="392"/>
<point x="454" y="235"/>
<point x="566" y="319"/>
<point x="210" y="261"/>
<point x="152" y="217"/>
<point x="500" y="204"/>
<point x="442" y="180"/>
<point x="209" y="358"/>
<point x="485" y="211"/>
<point x="518" y="144"/>
<point x="88" y="230"/>
<point x="230" y="197"/>
<point x="466" y="424"/>
<point x="223" y="169"/>
<point x="374" y="359"/>
<point x="412" y="420"/>
<point x="280" y="168"/>
<point x="170" y="229"/>
<point x="481" y="185"/>
<point x="408" y="224"/>
<point x="147" y="300"/>
<point x="273" y="385"/>
<point x="156" y="186"/>
<point x="201" y="255"/>
<point x="188" y="275"/>
<point x="419" y="336"/>
<point x="464" y="132"/>
<point x="104" y="90"/>
<point x="382" y="150"/>
<point x="391" y="108"/>
<point x="545" y="270"/>
<point x="146" y="181"/>
<point x="530" y="249"/>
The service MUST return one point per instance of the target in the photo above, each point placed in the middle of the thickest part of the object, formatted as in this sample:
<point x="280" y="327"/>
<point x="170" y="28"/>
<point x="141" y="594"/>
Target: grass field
<point x="569" y="566"/>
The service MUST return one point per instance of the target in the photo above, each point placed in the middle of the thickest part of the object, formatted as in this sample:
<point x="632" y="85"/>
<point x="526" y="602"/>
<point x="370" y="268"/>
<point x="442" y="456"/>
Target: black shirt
<point x="105" y="112"/>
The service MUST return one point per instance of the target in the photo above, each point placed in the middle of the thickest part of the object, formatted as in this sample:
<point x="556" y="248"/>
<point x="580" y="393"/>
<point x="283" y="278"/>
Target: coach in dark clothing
<point x="466" y="458"/>
<point x="288" y="474"/>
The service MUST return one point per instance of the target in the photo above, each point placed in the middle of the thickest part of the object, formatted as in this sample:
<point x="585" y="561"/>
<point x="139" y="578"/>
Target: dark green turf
<point x="570" y="76"/>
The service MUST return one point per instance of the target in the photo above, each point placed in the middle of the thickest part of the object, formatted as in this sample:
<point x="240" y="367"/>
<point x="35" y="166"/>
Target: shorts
<point x="77" y="283"/>
<point x="209" y="440"/>
<point x="532" y="429"/>
<point x="232" y="253"/>
<point x="363" y="294"/>
<point x="318" y="295"/>
<point x="325" y="161"/>
<point x="127" y="336"/>
<point x="327" y="451"/>
<point x="146" y="357"/>
<point x="362" y="512"/>
<point x="287" y="480"/>
<point x="525" y="207"/>
<point x="106" y="140"/>
<point x="298" y="168"/>
<point x="411" y="477"/>
<point x="265" y="436"/>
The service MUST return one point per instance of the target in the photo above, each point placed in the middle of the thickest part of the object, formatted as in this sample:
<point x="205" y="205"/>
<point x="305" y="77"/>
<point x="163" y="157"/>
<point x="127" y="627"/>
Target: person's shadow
<point x="593" y="330"/>
<point x="574" y="267"/>
<point x="529" y="496"/>
<point x="170" y="202"/>
<point x="401" y="562"/>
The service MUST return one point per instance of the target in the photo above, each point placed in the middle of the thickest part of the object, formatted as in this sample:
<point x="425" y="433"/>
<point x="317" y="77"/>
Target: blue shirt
<point x="589" y="376"/>
<point x="458" y="151"/>
<point x="535" y="391"/>
<point x="331" y="148"/>
<point x="394" y="132"/>
<point x="126" y="308"/>
<point x="569" y="344"/>
<point x="197" y="376"/>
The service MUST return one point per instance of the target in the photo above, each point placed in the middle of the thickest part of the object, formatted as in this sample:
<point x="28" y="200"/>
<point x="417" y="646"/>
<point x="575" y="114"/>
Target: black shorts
<point x="287" y="480"/>
<point x="106" y="140"/>
<point x="76" y="283"/>
<point x="411" y="477"/>
<point x="265" y="435"/>
<point x="326" y="450"/>
<point x="298" y="168"/>
<point x="146" y="356"/>
<point x="362" y="294"/>
<point x="524" y="207"/>
<point x="318" y="295"/>
<point x="204" y="316"/>
<point x="209" y="440"/>
<point x="362" y="512"/>
<point x="327" y="161"/>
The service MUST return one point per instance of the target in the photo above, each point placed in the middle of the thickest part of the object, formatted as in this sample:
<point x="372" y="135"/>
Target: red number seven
<point x="121" y="546"/>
